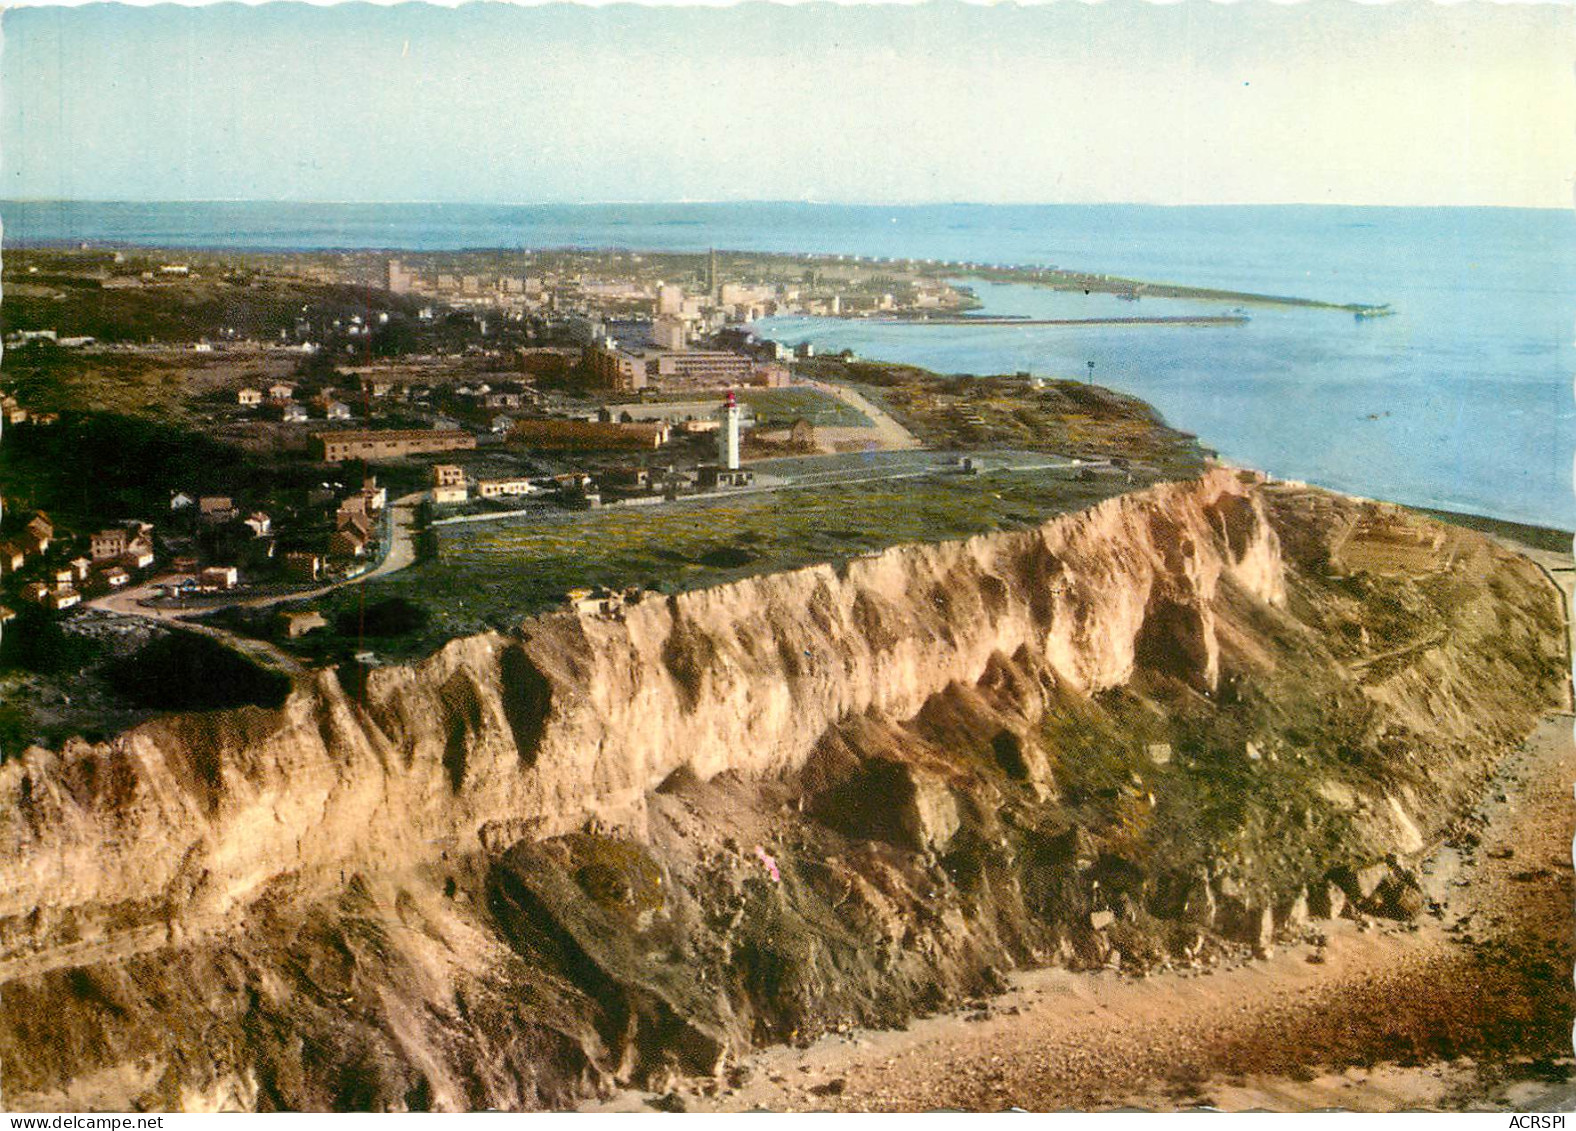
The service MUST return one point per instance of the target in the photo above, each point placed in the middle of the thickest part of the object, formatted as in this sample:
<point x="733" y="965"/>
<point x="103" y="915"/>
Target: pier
<point x="1152" y="320"/>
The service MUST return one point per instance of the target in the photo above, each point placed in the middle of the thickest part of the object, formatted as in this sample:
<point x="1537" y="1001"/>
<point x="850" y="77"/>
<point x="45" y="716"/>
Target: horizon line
<point x="693" y="4"/>
<point x="771" y="201"/>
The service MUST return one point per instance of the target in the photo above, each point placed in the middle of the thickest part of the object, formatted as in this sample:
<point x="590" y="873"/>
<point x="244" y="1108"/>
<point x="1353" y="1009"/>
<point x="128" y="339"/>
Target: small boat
<point x="1382" y="311"/>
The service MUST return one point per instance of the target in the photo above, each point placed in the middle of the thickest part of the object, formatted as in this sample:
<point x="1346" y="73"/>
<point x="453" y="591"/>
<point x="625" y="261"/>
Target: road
<point x="401" y="553"/>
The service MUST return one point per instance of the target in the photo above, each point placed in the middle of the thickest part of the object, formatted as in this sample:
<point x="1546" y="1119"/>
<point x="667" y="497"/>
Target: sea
<point x="1462" y="400"/>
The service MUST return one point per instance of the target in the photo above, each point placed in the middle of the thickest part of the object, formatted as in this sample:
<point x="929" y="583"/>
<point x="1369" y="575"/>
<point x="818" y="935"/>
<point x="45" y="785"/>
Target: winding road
<point x="401" y="553"/>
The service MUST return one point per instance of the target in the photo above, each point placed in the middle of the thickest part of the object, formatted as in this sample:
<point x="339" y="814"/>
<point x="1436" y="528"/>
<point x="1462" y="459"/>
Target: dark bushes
<point x="184" y="672"/>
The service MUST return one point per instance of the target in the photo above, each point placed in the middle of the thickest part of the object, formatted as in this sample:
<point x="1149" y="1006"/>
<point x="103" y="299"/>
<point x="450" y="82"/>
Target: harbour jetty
<point x="1062" y="279"/>
<point x="991" y="320"/>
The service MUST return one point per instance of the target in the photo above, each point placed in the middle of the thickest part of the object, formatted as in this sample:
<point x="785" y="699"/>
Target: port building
<point x="588" y="434"/>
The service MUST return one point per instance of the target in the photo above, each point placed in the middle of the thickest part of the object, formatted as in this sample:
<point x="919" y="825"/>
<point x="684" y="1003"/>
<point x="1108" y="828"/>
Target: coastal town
<point x="267" y="433"/>
<point x="492" y="369"/>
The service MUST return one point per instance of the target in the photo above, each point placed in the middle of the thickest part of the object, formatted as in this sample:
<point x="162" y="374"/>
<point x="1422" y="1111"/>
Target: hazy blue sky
<point x="1327" y="101"/>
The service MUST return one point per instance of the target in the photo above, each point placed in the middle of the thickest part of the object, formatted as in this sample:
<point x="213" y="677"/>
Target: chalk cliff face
<point x="446" y="890"/>
<point x="494" y="740"/>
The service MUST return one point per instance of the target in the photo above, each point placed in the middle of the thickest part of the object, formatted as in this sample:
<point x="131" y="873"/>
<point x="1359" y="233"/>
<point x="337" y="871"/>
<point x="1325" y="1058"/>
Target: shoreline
<point x="1524" y="536"/>
<point x="1545" y="539"/>
<point x="1026" y="274"/>
<point x="1312" y="1027"/>
<point x="1278" y="1033"/>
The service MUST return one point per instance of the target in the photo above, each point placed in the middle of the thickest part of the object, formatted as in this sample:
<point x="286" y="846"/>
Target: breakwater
<point x="1155" y="320"/>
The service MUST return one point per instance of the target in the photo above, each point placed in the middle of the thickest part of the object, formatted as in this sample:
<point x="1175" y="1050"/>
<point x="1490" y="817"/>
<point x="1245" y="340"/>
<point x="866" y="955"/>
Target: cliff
<point x="617" y="845"/>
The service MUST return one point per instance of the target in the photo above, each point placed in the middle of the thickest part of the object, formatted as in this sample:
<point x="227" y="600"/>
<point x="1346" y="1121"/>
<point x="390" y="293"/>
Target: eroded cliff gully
<point x="614" y="847"/>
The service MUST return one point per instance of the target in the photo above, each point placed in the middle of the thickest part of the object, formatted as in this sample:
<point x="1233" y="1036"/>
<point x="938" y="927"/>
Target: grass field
<point x="492" y="575"/>
<point x="781" y="407"/>
<point x="1066" y="417"/>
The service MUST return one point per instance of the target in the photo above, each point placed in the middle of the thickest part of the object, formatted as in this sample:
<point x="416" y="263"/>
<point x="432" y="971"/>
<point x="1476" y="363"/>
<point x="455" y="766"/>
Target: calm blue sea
<point x="1462" y="400"/>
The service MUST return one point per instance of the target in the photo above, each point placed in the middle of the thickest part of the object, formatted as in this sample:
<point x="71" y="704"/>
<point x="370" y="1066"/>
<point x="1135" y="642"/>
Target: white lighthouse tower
<point x="728" y="434"/>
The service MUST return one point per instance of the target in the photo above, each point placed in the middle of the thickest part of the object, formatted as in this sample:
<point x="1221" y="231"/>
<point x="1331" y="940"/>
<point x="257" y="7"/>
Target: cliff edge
<point x="616" y="846"/>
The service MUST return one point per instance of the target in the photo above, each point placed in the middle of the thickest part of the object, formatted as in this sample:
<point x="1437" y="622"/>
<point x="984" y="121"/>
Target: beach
<point x="1465" y="1010"/>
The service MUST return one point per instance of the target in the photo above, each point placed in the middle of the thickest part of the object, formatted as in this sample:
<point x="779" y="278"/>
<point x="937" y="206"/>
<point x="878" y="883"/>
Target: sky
<point x="1328" y="101"/>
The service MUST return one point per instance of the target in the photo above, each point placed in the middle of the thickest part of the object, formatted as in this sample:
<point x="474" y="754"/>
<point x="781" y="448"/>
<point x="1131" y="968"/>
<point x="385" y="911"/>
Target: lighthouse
<point x="728" y="434"/>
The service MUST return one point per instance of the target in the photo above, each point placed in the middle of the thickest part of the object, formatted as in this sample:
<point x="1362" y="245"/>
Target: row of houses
<point x="33" y="541"/>
<point x="280" y="399"/>
<point x="581" y="489"/>
<point x="113" y="555"/>
<point x="278" y="391"/>
<point x="216" y="510"/>
<point x="60" y="592"/>
<point x="53" y="337"/>
<point x="449" y="486"/>
<point x="506" y="394"/>
<point x="12" y="412"/>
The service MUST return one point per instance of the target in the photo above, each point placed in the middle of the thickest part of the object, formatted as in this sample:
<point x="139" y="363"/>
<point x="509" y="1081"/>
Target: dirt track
<point x="884" y="431"/>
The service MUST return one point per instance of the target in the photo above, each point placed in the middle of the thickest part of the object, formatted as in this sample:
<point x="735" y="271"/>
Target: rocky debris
<point x="1530" y="875"/>
<point x="523" y="869"/>
<point x="1326" y="899"/>
<point x="1359" y="883"/>
<point x="1397" y="1012"/>
<point x="1022" y="758"/>
<point x="1259" y="931"/>
<point x="1294" y="915"/>
<point x="1198" y="906"/>
<point x="895" y="801"/>
<point x="1390" y="890"/>
<point x="1398" y="896"/>
<point x="928" y="810"/>
<point x="740" y="1075"/>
